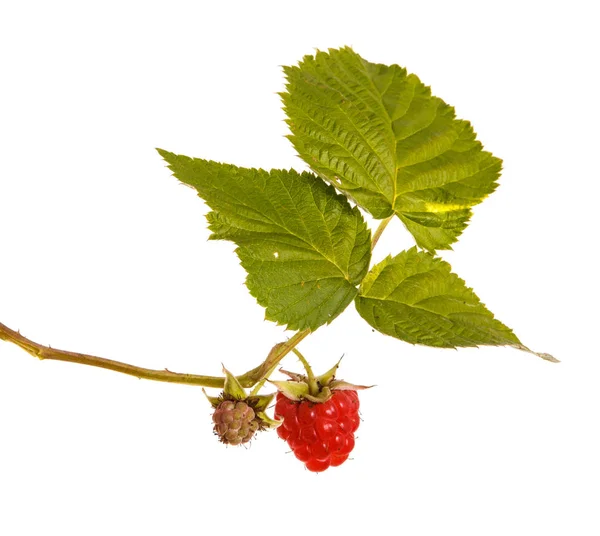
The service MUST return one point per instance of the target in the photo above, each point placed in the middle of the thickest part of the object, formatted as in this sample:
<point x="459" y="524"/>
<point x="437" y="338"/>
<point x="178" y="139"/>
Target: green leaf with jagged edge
<point x="415" y="297"/>
<point x="378" y="135"/>
<point x="304" y="247"/>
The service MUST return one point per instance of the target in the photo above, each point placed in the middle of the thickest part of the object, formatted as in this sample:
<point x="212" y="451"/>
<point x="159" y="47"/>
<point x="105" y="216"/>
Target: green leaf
<point x="378" y="135"/>
<point x="416" y="298"/>
<point x="304" y="247"/>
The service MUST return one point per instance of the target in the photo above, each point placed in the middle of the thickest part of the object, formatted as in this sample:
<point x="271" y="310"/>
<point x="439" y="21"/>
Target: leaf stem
<point x="247" y="380"/>
<point x="379" y="231"/>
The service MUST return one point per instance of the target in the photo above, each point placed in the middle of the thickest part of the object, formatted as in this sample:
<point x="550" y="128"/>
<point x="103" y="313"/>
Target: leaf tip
<point x="166" y="155"/>
<point x="547" y="357"/>
<point x="543" y="355"/>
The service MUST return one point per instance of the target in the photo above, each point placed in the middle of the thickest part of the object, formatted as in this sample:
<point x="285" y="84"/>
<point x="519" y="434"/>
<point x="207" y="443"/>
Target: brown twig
<point x="248" y="379"/>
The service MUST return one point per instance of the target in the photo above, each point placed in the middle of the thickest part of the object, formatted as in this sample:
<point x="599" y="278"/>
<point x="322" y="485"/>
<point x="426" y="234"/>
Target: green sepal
<point x="268" y="421"/>
<point x="294" y="376"/>
<point x="323" y="379"/>
<point x="233" y="388"/>
<point x="327" y="378"/>
<point x="293" y="390"/>
<point x="260" y="402"/>
<point x="214" y="400"/>
<point x="341" y="385"/>
<point x="323" y="396"/>
<point x="298" y="388"/>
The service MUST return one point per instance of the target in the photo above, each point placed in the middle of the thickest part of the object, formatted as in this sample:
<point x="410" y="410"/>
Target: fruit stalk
<point x="313" y="387"/>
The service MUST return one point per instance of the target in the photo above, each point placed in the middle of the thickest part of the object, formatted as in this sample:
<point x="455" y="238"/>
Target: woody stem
<point x="256" y="375"/>
<point x="246" y="380"/>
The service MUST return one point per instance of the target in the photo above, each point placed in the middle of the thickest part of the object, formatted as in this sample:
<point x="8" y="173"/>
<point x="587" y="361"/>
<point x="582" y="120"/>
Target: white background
<point x="103" y="252"/>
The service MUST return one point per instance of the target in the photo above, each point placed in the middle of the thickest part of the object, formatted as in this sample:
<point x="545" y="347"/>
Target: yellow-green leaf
<point x="415" y="297"/>
<point x="304" y="247"/>
<point x="379" y="136"/>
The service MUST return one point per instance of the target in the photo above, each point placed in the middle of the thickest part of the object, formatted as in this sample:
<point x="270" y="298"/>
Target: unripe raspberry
<point x="237" y="415"/>
<point x="235" y="422"/>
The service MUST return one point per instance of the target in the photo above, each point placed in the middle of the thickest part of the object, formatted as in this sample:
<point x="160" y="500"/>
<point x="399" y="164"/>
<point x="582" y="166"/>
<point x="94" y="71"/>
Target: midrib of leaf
<point x="310" y="246"/>
<point x="403" y="283"/>
<point x="439" y="321"/>
<point x="410" y="189"/>
<point x="422" y="315"/>
<point x="378" y="134"/>
<point x="303" y="222"/>
<point x="397" y="139"/>
<point x="367" y="174"/>
<point x="378" y="97"/>
<point x="320" y="278"/>
<point x="303" y="246"/>
<point x="291" y="304"/>
<point x="329" y="234"/>
<point x="397" y="192"/>
<point x="266" y="217"/>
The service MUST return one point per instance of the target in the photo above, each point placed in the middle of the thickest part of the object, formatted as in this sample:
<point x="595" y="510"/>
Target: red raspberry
<point x="320" y="434"/>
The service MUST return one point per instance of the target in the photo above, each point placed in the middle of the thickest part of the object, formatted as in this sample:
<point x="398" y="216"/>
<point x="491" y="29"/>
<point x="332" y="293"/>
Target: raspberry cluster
<point x="235" y="422"/>
<point x="320" y="434"/>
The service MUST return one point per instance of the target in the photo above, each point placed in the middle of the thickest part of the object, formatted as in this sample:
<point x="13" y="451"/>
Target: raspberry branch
<point x="247" y="380"/>
<point x="257" y="375"/>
